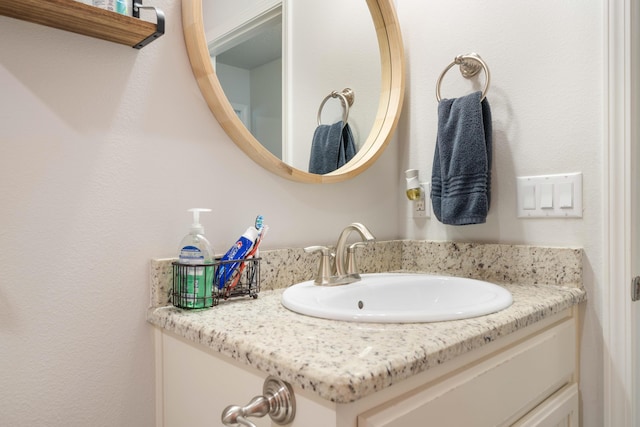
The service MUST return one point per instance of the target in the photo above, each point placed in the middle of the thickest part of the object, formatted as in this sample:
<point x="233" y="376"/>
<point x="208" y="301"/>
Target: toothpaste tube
<point x="252" y="253"/>
<point x="237" y="252"/>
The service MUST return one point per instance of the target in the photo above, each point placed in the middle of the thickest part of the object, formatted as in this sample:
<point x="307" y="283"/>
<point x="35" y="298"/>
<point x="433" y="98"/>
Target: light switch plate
<point x="554" y="196"/>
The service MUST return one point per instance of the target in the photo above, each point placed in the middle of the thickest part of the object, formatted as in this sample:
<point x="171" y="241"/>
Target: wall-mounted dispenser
<point x="416" y="192"/>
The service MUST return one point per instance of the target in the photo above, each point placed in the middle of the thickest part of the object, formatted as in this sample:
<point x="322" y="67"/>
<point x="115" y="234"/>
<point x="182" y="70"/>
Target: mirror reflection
<point x="278" y="61"/>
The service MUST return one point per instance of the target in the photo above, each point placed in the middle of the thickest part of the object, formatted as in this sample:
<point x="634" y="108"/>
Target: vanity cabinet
<point x="527" y="378"/>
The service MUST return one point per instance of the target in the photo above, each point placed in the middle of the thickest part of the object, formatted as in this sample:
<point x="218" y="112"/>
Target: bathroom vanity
<point x="515" y="367"/>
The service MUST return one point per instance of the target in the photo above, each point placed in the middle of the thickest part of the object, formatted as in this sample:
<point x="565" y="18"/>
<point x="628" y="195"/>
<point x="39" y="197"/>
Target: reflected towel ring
<point x="346" y="98"/>
<point x="470" y="65"/>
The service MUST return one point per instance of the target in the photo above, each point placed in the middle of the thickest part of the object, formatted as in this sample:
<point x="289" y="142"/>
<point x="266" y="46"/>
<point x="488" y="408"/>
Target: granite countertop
<point x="345" y="361"/>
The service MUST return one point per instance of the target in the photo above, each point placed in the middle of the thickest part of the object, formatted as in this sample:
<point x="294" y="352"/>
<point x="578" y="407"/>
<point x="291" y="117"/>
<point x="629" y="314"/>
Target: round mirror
<point x="364" y="109"/>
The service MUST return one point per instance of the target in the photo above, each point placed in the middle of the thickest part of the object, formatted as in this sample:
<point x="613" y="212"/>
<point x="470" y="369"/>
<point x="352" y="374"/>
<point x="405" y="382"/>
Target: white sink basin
<point x="398" y="298"/>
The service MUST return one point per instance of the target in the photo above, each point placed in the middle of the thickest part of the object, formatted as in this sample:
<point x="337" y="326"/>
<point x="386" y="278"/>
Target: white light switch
<point x="529" y="197"/>
<point x="546" y="196"/>
<point x="550" y="196"/>
<point x="565" y="195"/>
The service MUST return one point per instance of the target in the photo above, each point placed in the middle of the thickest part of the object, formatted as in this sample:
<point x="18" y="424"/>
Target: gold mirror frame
<point x="387" y="116"/>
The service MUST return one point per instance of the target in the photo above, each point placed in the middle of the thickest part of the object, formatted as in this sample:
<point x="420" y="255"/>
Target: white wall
<point x="260" y="91"/>
<point x="105" y="147"/>
<point x="236" y="83"/>
<point x="266" y="105"/>
<point x="546" y="63"/>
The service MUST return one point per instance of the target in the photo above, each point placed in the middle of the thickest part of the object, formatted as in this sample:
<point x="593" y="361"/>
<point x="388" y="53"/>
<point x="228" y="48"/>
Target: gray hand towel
<point x="461" y="174"/>
<point x="332" y="147"/>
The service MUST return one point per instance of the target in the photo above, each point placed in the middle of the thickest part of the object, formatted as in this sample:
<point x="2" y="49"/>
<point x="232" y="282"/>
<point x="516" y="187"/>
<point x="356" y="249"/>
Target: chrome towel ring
<point x="470" y="65"/>
<point x="347" y="97"/>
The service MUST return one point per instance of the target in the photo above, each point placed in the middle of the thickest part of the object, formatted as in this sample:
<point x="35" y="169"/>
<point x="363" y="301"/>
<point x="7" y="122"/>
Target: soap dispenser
<point x="196" y="267"/>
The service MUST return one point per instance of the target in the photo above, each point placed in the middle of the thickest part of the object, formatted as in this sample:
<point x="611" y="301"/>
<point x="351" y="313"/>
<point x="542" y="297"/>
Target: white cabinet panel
<point x="495" y="392"/>
<point x="197" y="387"/>
<point x="560" y="410"/>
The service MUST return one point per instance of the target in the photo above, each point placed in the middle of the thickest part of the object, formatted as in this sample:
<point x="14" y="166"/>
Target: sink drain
<point x="360" y="305"/>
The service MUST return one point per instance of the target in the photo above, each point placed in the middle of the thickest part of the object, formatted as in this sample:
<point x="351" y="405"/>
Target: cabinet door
<point x="196" y="386"/>
<point x="495" y="392"/>
<point x="560" y="410"/>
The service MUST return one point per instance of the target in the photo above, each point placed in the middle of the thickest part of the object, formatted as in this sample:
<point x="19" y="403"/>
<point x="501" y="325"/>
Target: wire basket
<point x="197" y="286"/>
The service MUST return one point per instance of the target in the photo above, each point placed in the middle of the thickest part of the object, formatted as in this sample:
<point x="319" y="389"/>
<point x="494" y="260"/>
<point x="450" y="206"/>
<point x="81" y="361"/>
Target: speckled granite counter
<point x="344" y="361"/>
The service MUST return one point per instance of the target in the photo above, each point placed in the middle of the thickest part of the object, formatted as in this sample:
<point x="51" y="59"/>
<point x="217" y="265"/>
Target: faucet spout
<point x="341" y="246"/>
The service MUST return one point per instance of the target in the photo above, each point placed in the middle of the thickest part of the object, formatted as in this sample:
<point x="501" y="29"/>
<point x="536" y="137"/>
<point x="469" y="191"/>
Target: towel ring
<point x="346" y="97"/>
<point x="470" y="65"/>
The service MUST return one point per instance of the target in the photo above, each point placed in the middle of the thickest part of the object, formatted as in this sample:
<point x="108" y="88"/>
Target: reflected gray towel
<point x="332" y="147"/>
<point x="461" y="174"/>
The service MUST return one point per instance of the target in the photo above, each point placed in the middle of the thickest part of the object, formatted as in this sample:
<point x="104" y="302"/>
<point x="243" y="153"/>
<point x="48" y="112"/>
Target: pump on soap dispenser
<point x="197" y="269"/>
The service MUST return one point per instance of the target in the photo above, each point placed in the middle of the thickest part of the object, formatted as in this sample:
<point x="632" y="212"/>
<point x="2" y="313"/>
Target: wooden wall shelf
<point x="71" y="15"/>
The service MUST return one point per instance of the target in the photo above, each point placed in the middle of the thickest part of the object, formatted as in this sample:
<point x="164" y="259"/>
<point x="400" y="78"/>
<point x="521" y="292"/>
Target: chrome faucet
<point x="340" y="268"/>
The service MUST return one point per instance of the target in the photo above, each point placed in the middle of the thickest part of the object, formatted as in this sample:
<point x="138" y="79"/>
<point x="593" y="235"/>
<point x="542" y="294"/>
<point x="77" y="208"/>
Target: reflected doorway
<point x="248" y="63"/>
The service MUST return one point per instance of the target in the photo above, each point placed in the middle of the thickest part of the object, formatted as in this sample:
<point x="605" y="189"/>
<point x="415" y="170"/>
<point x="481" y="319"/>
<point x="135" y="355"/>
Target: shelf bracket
<point x="137" y="5"/>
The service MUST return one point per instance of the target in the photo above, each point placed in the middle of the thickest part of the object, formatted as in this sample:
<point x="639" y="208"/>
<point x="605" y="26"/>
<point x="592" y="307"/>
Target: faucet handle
<point x="324" y="269"/>
<point x="324" y="250"/>
<point x="352" y="266"/>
